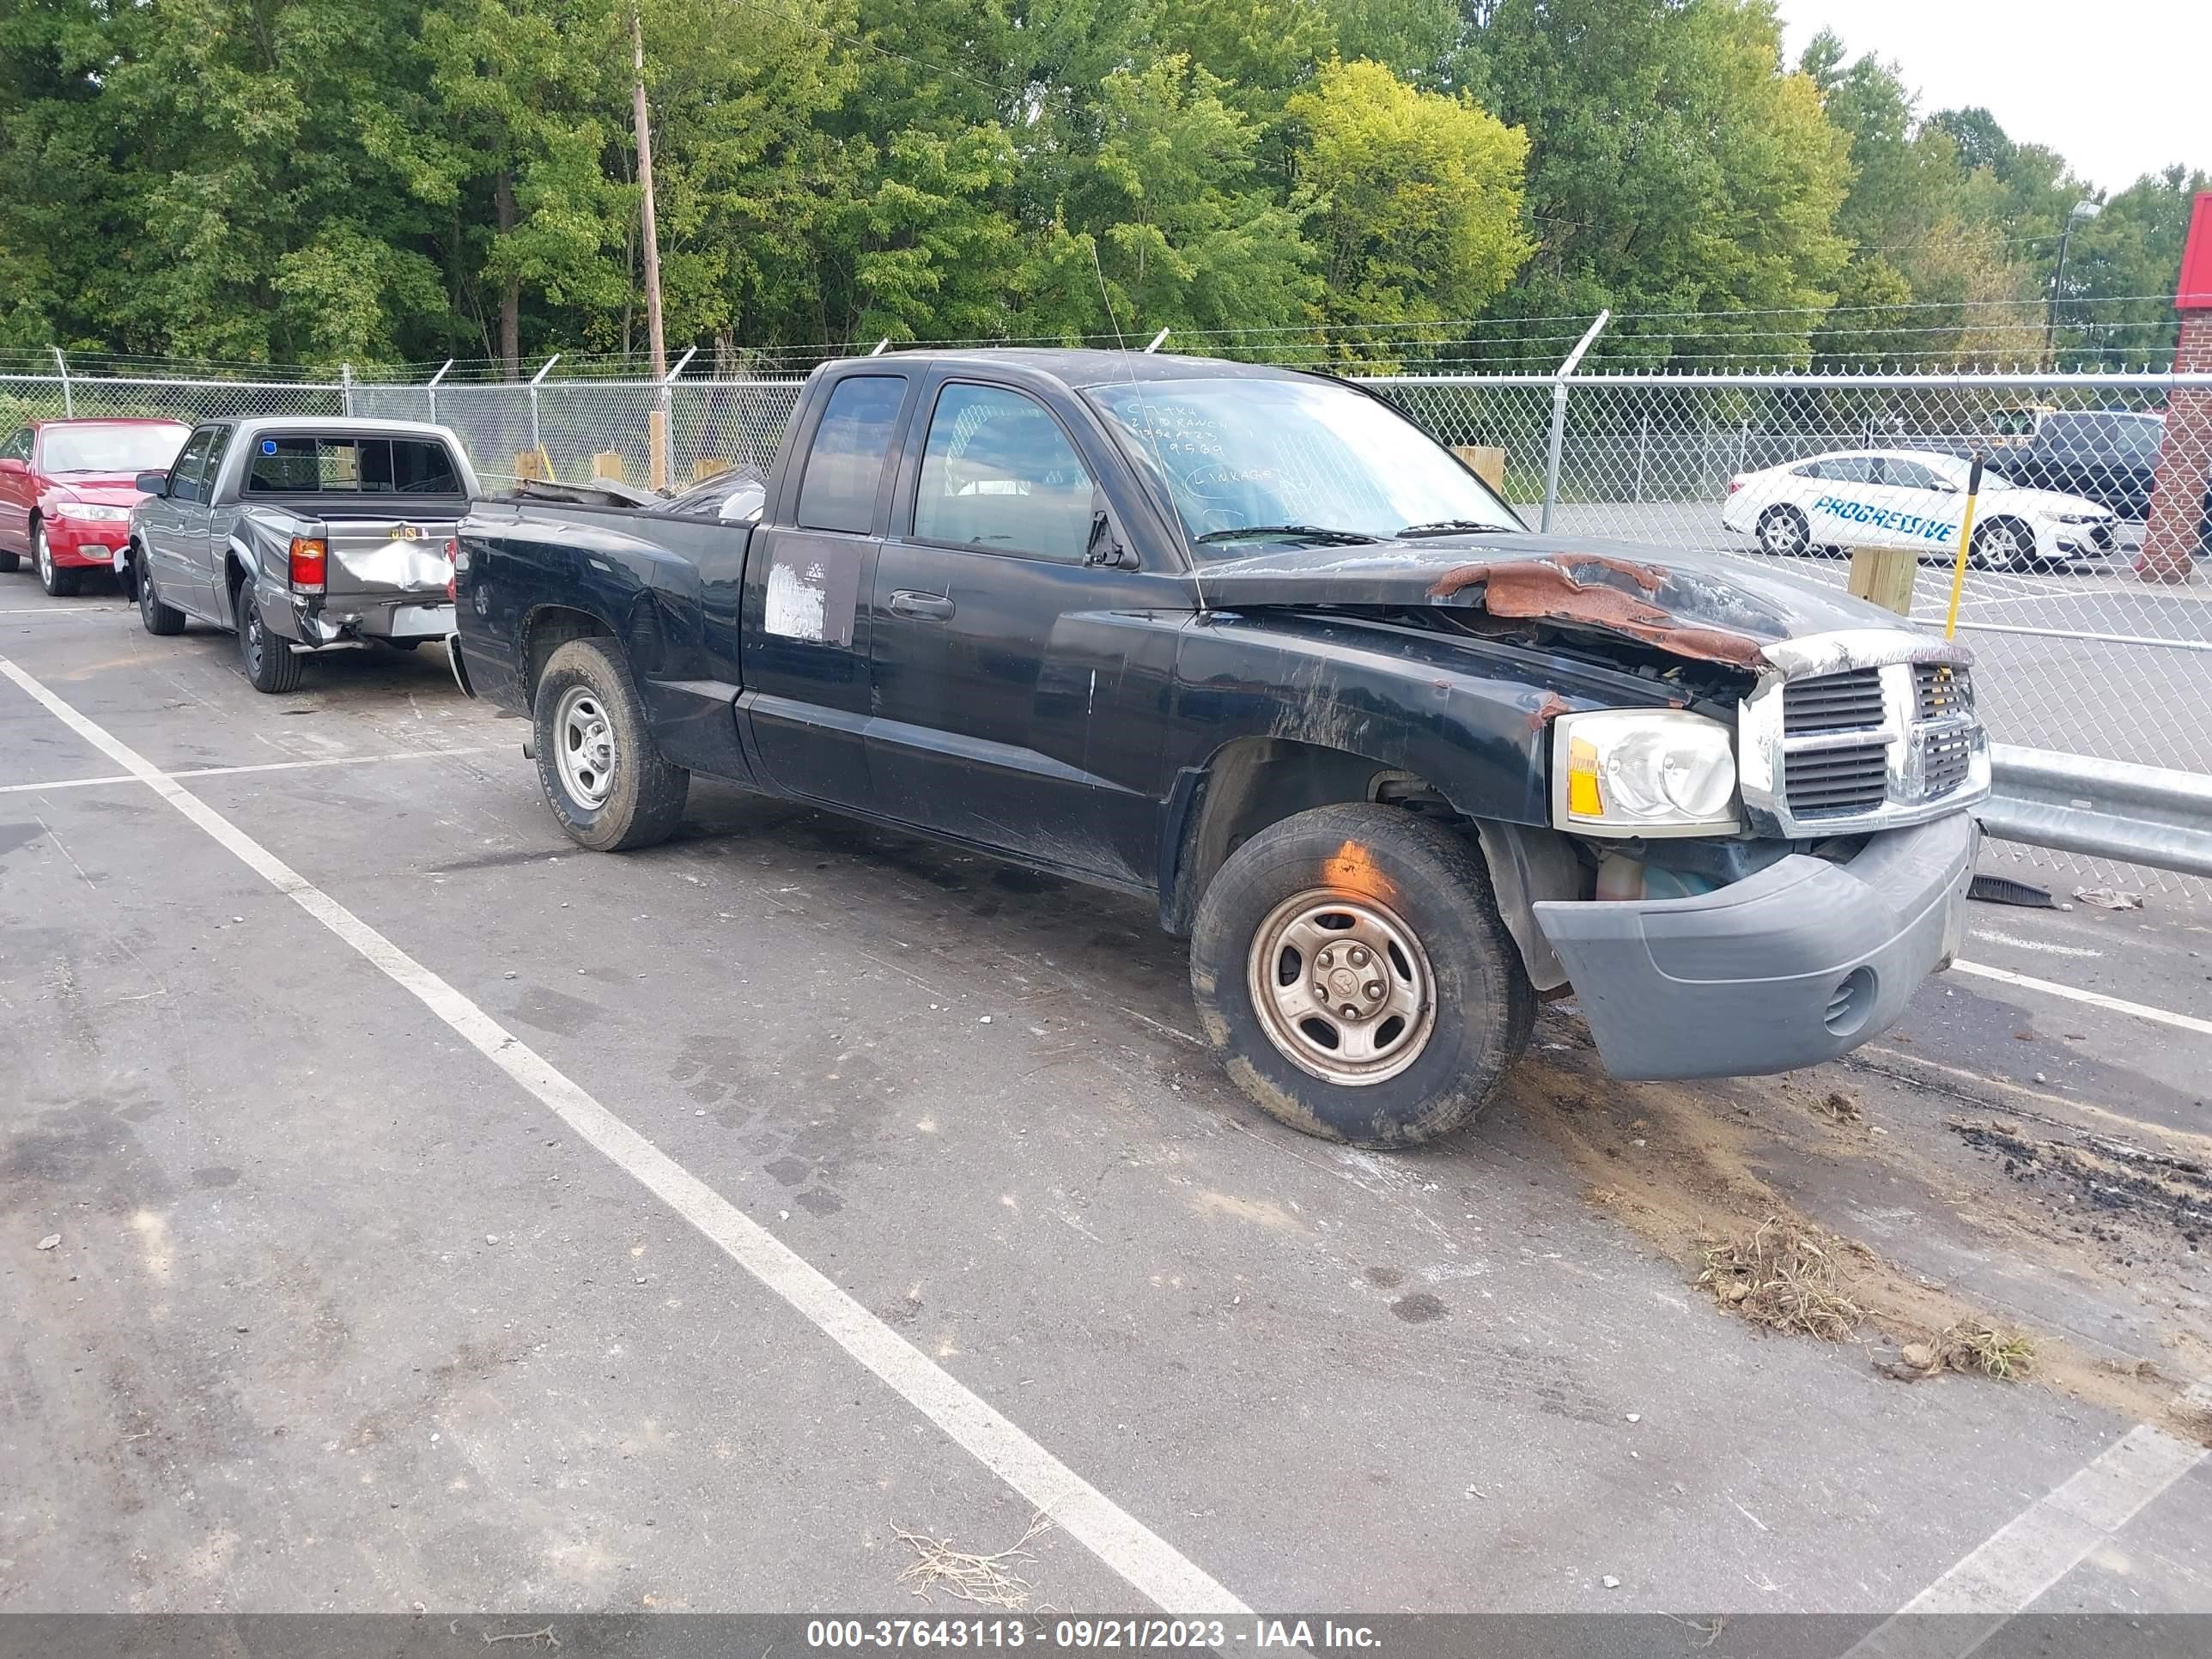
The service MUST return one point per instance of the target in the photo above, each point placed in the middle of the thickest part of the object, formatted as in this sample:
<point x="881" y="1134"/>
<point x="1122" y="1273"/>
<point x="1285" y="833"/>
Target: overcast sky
<point x="2120" y="87"/>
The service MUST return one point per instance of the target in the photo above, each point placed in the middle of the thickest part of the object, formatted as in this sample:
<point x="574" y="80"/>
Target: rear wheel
<point x="1351" y="968"/>
<point x="606" y="780"/>
<point x="270" y="664"/>
<point x="158" y="618"/>
<point x="58" y="582"/>
<point x="1783" y="532"/>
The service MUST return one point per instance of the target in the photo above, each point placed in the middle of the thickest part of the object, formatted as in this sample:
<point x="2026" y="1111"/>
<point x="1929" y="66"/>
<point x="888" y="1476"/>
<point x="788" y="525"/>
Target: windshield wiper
<point x="1455" y="527"/>
<point x="1312" y="533"/>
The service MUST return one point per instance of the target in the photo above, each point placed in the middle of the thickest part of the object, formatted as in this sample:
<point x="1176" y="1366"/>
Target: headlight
<point x="93" y="512"/>
<point x="1643" y="772"/>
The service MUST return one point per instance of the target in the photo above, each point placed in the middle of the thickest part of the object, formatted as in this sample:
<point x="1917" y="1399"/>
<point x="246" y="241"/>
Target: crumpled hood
<point x="1713" y="607"/>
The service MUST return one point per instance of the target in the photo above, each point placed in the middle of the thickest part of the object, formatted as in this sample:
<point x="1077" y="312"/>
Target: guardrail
<point x="2146" y="815"/>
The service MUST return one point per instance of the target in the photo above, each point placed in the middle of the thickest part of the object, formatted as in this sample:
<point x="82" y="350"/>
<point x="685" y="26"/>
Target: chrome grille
<point x="1843" y="750"/>
<point x="1837" y="783"/>
<point x="1942" y="690"/>
<point x="1946" y="757"/>
<point x="1833" y="702"/>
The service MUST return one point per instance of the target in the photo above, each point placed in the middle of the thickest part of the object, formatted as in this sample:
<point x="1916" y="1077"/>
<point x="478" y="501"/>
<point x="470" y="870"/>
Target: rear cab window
<point x="338" y="464"/>
<point x="852" y="442"/>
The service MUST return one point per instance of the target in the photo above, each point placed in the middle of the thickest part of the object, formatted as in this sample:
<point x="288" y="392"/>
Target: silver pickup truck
<point x="301" y="536"/>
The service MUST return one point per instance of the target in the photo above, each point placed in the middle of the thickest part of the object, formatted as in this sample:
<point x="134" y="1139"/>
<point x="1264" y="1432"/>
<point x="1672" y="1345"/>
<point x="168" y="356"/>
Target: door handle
<point x="930" y="607"/>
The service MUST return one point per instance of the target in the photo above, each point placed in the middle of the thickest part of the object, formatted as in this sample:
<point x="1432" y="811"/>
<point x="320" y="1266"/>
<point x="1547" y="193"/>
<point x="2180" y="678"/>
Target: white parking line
<point x="2094" y="998"/>
<point x="2043" y="944"/>
<point x="234" y="771"/>
<point x="1146" y="1561"/>
<point x="2011" y="1570"/>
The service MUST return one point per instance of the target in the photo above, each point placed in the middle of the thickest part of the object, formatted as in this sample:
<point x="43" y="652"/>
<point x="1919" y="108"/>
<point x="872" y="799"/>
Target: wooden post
<point x="533" y="464"/>
<point x="1885" y="576"/>
<point x="608" y="463"/>
<point x="1488" y="463"/>
<point x="707" y="466"/>
<point x="656" y="435"/>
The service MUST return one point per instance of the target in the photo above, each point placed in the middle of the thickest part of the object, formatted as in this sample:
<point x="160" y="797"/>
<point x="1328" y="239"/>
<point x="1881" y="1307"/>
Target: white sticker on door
<point x="811" y="595"/>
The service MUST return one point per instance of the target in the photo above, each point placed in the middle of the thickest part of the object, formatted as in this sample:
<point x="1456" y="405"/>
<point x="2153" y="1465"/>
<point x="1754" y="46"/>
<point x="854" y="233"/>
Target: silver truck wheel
<point x="158" y="618"/>
<point x="605" y="778"/>
<point x="1352" y="969"/>
<point x="584" y="747"/>
<point x="1342" y="987"/>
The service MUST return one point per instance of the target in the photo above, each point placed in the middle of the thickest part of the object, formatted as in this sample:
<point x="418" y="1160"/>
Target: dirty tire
<point x="158" y="618"/>
<point x="1430" y="883"/>
<point x="60" y="583"/>
<point x="270" y="663"/>
<point x="642" y="801"/>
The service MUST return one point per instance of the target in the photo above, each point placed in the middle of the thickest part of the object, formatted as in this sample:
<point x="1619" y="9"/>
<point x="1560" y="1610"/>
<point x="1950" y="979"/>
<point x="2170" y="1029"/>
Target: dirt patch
<point x="2108" y="1179"/>
<point x="1680" y="1169"/>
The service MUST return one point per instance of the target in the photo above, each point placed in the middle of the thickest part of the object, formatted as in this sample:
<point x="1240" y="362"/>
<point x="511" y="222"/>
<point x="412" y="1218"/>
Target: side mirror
<point x="151" y="484"/>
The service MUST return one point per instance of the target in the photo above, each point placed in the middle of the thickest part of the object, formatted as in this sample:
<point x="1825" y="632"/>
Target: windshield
<point x="1292" y="460"/>
<point x="118" y="449"/>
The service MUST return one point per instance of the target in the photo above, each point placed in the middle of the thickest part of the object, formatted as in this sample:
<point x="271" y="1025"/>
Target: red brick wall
<point x="2185" y="466"/>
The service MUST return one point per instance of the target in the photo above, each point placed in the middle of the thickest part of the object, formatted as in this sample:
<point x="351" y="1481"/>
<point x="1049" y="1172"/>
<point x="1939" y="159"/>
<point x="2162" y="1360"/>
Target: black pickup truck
<point x="1247" y="641"/>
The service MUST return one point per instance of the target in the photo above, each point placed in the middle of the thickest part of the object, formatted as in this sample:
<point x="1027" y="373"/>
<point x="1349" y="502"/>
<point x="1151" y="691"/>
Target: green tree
<point x="1413" y="199"/>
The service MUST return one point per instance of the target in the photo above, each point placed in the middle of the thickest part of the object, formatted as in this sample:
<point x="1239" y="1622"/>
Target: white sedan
<point x="1915" y="499"/>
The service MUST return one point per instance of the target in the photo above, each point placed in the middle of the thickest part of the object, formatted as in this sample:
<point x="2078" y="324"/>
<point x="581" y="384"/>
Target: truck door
<point x="1000" y="653"/>
<point x="172" y="526"/>
<point x="805" y="646"/>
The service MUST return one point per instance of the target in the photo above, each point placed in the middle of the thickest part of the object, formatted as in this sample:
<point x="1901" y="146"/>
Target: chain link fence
<point x="2076" y="650"/>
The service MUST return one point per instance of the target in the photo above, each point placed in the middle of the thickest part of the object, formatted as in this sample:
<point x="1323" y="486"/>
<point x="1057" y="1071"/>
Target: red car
<point x="66" y="491"/>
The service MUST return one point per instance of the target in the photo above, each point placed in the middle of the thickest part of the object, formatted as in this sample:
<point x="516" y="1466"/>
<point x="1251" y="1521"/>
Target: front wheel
<point x="2004" y="544"/>
<point x="1351" y="968"/>
<point x="157" y="618"/>
<point x="59" y="583"/>
<point x="606" y="780"/>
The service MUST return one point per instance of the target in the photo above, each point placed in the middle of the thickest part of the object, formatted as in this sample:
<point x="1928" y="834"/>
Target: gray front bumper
<point x="1799" y="963"/>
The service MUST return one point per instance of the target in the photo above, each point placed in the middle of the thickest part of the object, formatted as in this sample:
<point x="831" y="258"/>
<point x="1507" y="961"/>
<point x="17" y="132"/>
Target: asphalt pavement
<point x="446" y="1217"/>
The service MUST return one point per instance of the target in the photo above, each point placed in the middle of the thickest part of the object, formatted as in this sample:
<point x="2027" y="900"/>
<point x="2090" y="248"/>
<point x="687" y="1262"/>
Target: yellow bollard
<point x="1966" y="545"/>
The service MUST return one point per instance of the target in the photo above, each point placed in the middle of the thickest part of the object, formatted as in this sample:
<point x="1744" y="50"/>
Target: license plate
<point x="422" y="622"/>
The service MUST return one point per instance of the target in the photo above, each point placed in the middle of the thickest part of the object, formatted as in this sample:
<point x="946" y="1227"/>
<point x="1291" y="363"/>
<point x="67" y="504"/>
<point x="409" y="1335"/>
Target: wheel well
<point x="1256" y="781"/>
<point x="549" y="628"/>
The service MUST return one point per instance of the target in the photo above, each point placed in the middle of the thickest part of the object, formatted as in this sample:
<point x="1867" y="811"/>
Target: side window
<point x="846" y="464"/>
<point x="1908" y="475"/>
<point x="212" y="472"/>
<point x="998" y="472"/>
<point x="1851" y="469"/>
<point x="184" y="476"/>
<point x="18" y="446"/>
<point x="1810" y="469"/>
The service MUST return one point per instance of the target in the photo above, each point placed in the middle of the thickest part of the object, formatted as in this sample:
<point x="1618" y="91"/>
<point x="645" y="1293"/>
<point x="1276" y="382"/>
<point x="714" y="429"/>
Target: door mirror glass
<point x="151" y="484"/>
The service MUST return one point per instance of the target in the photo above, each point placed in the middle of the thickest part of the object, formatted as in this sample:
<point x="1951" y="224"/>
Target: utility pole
<point x="2081" y="211"/>
<point x="657" y="420"/>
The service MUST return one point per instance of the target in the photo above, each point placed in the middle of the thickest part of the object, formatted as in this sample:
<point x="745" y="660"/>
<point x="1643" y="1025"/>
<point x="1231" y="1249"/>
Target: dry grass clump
<point x="1971" y="1346"/>
<point x="1781" y="1276"/>
<point x="986" y="1580"/>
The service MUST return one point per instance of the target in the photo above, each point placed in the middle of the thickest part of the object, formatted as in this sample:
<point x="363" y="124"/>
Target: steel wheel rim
<point x="145" y="592"/>
<point x="1342" y="987"/>
<point x="584" y="747"/>
<point x="251" y="631"/>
